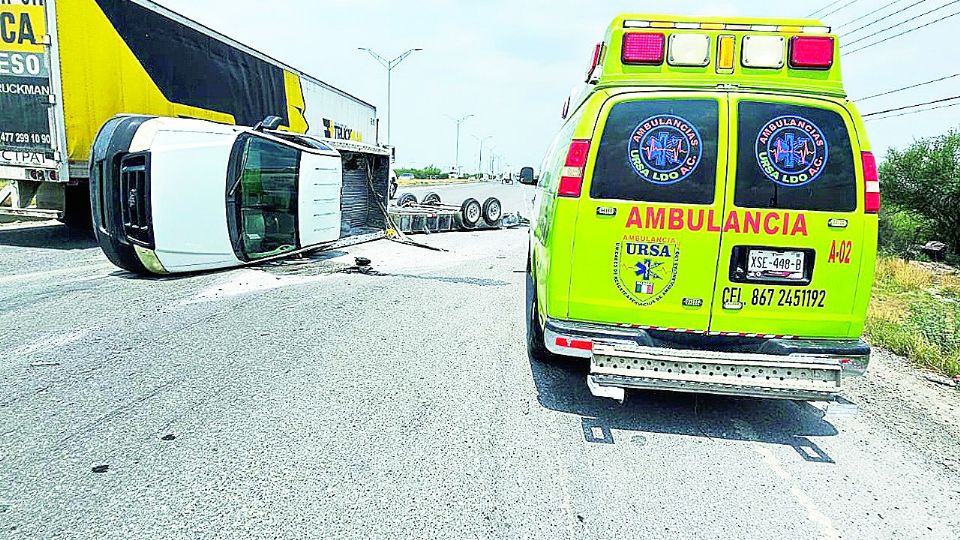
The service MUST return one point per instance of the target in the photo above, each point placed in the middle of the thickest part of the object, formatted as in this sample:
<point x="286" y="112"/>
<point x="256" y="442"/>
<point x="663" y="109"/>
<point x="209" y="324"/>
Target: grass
<point x="915" y="312"/>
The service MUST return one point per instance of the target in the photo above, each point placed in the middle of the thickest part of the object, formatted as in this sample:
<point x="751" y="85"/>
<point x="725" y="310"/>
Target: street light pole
<point x="480" y="161"/>
<point x="462" y="119"/>
<point x="389" y="64"/>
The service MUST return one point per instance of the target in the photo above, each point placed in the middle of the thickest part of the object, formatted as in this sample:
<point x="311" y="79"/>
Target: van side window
<point x="268" y="198"/>
<point x="662" y="151"/>
<point x="794" y="158"/>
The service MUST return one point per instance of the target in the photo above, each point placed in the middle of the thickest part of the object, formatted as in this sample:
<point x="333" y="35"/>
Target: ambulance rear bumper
<point x="622" y="358"/>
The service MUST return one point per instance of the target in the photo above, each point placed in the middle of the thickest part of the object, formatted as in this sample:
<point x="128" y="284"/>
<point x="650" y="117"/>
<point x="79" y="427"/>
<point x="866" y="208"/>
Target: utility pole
<point x="389" y="64"/>
<point x="462" y="119"/>
<point x="480" y="161"/>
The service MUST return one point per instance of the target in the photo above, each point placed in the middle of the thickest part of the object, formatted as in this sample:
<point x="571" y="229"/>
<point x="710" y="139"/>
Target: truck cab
<point x="706" y="219"/>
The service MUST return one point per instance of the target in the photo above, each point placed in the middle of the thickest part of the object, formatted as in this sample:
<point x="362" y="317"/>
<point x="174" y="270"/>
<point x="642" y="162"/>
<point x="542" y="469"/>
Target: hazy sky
<point x="512" y="62"/>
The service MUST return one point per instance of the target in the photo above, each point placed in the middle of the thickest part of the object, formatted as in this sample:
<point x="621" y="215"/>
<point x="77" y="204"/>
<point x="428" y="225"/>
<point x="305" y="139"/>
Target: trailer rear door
<point x="28" y="119"/>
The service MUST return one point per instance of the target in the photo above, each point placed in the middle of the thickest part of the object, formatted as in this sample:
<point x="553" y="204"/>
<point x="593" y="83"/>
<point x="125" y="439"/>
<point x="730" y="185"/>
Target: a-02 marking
<point x="840" y="253"/>
<point x="769" y="296"/>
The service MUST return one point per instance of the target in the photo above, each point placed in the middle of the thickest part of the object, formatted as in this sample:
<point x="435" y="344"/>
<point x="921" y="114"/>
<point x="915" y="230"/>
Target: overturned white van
<point x="173" y="195"/>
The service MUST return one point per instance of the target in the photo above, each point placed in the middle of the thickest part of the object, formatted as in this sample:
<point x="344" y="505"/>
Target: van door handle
<point x="606" y="211"/>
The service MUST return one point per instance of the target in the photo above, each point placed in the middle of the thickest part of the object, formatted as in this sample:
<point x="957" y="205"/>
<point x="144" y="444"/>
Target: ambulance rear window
<point x="794" y="158"/>
<point x="661" y="151"/>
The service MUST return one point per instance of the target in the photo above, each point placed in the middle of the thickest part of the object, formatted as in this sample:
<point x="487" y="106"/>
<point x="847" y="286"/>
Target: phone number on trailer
<point x="24" y="138"/>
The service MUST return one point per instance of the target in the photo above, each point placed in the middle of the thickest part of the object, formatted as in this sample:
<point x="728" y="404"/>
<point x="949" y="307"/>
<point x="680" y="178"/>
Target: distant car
<point x="407" y="176"/>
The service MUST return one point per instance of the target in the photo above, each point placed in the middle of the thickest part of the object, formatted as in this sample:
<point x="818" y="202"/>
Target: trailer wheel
<point x="492" y="210"/>
<point x="407" y="199"/>
<point x="432" y="199"/>
<point x="470" y="214"/>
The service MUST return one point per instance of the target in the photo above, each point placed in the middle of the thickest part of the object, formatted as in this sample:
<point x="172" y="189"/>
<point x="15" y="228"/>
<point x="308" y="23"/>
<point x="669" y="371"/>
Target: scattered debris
<point x="100" y="469"/>
<point x="362" y="261"/>
<point x="44" y="364"/>
<point x="943" y="381"/>
<point x="168" y="437"/>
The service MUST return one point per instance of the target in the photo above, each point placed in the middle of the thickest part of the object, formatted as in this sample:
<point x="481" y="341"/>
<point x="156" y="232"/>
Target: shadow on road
<point x="562" y="386"/>
<point x="48" y="236"/>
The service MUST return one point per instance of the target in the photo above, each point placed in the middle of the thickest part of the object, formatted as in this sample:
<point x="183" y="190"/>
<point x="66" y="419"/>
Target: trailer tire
<point x="470" y="214"/>
<point x="431" y="199"/>
<point x="407" y="199"/>
<point x="492" y="211"/>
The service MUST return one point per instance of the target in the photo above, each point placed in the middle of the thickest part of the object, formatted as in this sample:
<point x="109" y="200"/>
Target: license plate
<point x="785" y="265"/>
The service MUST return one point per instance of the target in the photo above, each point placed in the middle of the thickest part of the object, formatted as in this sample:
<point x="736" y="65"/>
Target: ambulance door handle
<point x="606" y="211"/>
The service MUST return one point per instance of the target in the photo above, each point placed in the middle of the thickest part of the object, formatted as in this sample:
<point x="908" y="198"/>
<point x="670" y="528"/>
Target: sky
<point x="512" y="63"/>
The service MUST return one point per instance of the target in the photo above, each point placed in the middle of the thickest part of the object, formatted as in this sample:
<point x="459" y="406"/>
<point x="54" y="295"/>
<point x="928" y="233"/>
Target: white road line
<point x="823" y="523"/>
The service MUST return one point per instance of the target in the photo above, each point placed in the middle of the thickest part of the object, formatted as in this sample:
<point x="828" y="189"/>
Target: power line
<point x="828" y="6"/>
<point x="947" y="106"/>
<point x="867" y="46"/>
<point x="914" y="106"/>
<point x="865" y="15"/>
<point x="938" y="8"/>
<point x="878" y="19"/>
<point x="848" y="4"/>
<point x="907" y="87"/>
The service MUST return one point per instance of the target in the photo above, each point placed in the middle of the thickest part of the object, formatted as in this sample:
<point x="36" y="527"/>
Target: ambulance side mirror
<point x="526" y="176"/>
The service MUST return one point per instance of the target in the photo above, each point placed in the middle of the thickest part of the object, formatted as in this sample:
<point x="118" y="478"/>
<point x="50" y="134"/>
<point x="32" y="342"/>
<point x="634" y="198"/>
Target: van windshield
<point x="658" y="151"/>
<point x="793" y="157"/>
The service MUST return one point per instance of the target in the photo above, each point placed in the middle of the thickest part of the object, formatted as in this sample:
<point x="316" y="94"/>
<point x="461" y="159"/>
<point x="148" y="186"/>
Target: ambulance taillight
<point x="571" y="177"/>
<point x="871" y="181"/>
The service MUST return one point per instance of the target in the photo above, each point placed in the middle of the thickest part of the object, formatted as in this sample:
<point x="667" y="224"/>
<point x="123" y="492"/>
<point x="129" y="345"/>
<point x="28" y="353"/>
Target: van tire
<point x="492" y="211"/>
<point x="470" y="213"/>
<point x="536" y="348"/>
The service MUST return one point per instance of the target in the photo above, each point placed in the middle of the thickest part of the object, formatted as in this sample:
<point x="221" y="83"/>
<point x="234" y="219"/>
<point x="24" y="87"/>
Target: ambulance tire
<point x="470" y="214"/>
<point x="407" y="199"/>
<point x="492" y="211"/>
<point x="431" y="199"/>
<point x="536" y="349"/>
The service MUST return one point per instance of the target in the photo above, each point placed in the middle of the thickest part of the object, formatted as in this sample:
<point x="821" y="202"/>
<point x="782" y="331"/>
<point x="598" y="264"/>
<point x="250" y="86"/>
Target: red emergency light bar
<point x="814" y="52"/>
<point x="643" y="48"/>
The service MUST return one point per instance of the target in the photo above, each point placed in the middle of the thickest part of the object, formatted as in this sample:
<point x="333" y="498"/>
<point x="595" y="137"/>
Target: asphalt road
<point x="301" y="400"/>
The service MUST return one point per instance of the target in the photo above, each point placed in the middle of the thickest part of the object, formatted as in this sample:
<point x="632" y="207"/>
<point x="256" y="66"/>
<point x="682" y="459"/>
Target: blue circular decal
<point x="791" y="151"/>
<point x="665" y="149"/>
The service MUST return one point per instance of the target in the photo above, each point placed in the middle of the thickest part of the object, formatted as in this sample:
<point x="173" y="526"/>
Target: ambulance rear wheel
<point x="536" y="348"/>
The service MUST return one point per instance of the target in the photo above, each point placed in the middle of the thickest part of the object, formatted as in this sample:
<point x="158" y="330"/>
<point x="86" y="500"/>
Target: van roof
<point x="613" y="70"/>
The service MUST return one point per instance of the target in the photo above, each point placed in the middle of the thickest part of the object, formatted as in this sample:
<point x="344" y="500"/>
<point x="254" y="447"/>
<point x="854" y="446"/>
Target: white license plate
<point x="765" y="264"/>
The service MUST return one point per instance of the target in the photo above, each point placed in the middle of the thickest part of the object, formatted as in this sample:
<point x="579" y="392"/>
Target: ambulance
<point x="706" y="218"/>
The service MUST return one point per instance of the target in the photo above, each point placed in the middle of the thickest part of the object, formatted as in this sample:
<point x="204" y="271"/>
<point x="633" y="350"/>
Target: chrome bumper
<point x="622" y="358"/>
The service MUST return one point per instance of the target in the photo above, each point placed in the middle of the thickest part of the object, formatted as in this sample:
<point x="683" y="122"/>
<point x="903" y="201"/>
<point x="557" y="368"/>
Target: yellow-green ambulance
<point x="706" y="219"/>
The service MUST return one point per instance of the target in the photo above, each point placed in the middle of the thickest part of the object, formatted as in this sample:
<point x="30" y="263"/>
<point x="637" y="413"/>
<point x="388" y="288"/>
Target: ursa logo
<point x="791" y="151"/>
<point x="645" y="272"/>
<point x="664" y="149"/>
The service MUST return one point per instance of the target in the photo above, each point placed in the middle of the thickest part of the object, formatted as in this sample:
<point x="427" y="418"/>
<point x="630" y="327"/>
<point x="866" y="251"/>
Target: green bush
<point x="924" y="180"/>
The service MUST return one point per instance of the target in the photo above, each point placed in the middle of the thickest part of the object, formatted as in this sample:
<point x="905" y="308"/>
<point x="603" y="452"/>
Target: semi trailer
<point x="68" y="66"/>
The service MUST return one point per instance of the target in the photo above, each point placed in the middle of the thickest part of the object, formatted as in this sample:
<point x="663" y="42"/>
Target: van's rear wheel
<point x="536" y="348"/>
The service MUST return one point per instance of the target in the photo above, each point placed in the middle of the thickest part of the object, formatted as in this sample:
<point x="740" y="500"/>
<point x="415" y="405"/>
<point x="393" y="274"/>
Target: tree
<point x="925" y="180"/>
